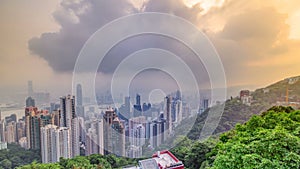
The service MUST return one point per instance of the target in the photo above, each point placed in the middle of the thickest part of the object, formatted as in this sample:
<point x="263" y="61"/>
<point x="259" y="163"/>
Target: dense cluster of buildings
<point x="68" y="128"/>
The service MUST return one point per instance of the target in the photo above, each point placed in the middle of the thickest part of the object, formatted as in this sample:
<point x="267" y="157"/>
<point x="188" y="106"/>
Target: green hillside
<point x="278" y="91"/>
<point x="236" y="112"/>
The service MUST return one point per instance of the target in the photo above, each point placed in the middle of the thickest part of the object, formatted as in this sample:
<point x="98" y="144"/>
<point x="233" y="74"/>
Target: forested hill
<point x="278" y="92"/>
<point x="262" y="99"/>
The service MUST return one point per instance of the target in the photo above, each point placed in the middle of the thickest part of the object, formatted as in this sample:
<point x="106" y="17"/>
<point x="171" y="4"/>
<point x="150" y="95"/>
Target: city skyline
<point x="26" y="44"/>
<point x="139" y="84"/>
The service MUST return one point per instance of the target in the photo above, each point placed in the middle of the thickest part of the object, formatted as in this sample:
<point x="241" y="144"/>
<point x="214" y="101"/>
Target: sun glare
<point x="205" y="4"/>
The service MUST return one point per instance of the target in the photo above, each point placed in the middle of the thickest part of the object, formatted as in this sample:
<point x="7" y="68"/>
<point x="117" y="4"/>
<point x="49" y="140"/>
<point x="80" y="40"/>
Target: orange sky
<point x="23" y="20"/>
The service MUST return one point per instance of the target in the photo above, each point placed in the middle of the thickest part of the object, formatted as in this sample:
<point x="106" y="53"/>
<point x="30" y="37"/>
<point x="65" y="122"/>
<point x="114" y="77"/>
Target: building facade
<point x="55" y="143"/>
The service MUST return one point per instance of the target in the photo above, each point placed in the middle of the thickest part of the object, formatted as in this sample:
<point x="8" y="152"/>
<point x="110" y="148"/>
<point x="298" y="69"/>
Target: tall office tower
<point x="114" y="136"/>
<point x="34" y="120"/>
<point x="10" y="132"/>
<point x="68" y="119"/>
<point x="167" y="115"/>
<point x="138" y="99"/>
<point x="55" y="143"/>
<point x="79" y="105"/>
<point x="137" y="107"/>
<point x="79" y="95"/>
<point x="30" y="102"/>
<point x="30" y="88"/>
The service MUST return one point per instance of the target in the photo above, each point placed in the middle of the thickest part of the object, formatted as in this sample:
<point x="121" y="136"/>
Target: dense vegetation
<point x="269" y="140"/>
<point x="95" y="161"/>
<point x="234" y="112"/>
<point x="16" y="156"/>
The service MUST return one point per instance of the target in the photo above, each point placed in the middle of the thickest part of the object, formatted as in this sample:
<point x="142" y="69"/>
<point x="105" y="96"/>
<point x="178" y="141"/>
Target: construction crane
<point x="287" y="95"/>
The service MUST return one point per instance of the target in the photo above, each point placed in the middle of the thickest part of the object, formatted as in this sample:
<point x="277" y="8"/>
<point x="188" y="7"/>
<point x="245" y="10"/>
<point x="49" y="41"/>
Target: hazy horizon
<point x="257" y="41"/>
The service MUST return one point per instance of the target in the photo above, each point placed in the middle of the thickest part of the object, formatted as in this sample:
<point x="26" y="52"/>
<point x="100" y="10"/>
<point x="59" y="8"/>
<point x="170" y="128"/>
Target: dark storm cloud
<point x="248" y="32"/>
<point x="79" y="20"/>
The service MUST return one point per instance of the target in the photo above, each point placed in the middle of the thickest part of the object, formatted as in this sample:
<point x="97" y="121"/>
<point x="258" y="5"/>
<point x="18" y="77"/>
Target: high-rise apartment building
<point x="69" y="119"/>
<point x="34" y="120"/>
<point x="10" y="132"/>
<point x="55" y="143"/>
<point x="168" y="115"/>
<point x="79" y="95"/>
<point x="114" y="136"/>
<point x="79" y="102"/>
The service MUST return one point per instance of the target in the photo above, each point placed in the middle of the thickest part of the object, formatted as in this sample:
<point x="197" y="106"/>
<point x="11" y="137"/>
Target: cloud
<point x="78" y="20"/>
<point x="245" y="33"/>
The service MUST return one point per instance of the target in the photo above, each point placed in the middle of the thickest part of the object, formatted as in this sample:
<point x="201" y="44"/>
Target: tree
<point x="267" y="141"/>
<point x="6" y="164"/>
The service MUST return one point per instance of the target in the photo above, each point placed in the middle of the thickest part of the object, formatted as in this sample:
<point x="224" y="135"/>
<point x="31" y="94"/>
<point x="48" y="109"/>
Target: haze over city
<point x="257" y="40"/>
<point x="150" y="84"/>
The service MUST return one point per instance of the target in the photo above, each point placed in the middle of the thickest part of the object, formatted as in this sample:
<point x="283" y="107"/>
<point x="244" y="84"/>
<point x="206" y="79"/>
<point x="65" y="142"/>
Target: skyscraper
<point x="137" y="107"/>
<point x="30" y="102"/>
<point x="68" y="119"/>
<point x="167" y="115"/>
<point x="114" y="136"/>
<point x="79" y="94"/>
<point x="79" y="106"/>
<point x="34" y="120"/>
<point x="138" y="99"/>
<point x="75" y="146"/>
<point x="10" y="132"/>
<point x="67" y="110"/>
<point x="55" y="143"/>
